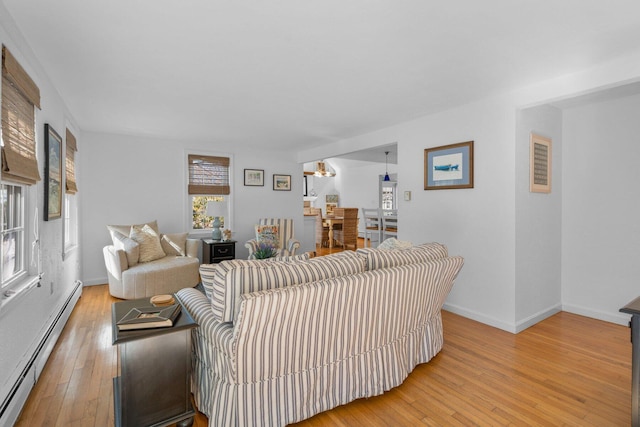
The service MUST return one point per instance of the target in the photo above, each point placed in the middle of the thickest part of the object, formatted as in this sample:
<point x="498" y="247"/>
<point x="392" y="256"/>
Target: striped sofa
<point x="281" y="341"/>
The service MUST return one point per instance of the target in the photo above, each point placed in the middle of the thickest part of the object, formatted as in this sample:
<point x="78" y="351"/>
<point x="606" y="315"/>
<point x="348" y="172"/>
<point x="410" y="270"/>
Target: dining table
<point x="330" y="221"/>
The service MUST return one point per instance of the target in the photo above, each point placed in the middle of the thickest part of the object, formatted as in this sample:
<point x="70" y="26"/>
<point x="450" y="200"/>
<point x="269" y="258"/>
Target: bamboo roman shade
<point x="70" y="164"/>
<point x="19" y="95"/>
<point x="208" y="175"/>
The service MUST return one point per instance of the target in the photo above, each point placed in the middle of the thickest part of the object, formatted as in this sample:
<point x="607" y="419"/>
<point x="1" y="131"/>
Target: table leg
<point x="330" y="235"/>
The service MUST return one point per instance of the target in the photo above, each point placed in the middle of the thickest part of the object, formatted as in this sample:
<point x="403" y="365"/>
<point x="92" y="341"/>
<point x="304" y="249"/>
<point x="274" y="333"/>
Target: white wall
<point x="475" y="223"/>
<point x="129" y="180"/>
<point x="480" y="223"/>
<point x="358" y="185"/>
<point x="538" y="222"/>
<point x="24" y="320"/>
<point x="601" y="208"/>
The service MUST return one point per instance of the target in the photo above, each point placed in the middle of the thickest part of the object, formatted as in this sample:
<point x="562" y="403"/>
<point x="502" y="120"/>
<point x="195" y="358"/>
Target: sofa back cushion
<point x="384" y="258"/>
<point x="236" y="277"/>
<point x="208" y="271"/>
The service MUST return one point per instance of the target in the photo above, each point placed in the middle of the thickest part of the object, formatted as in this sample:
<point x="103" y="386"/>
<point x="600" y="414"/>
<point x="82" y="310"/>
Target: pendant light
<point x="322" y="171"/>
<point x="386" y="173"/>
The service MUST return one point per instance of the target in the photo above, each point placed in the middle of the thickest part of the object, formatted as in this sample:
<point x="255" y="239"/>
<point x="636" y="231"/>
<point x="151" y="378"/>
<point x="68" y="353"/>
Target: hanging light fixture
<point x="386" y="173"/>
<point x="322" y="171"/>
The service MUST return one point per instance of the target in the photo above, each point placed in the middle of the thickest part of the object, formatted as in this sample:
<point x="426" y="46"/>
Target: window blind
<point x="71" y="186"/>
<point x="19" y="96"/>
<point x="208" y="175"/>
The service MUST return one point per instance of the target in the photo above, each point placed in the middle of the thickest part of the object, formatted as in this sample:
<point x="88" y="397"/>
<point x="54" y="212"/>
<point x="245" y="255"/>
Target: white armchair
<point x="287" y="243"/>
<point x="166" y="264"/>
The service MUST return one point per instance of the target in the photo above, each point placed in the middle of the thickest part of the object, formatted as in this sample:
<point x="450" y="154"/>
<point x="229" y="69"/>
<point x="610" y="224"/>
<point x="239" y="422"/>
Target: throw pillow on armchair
<point x="268" y="234"/>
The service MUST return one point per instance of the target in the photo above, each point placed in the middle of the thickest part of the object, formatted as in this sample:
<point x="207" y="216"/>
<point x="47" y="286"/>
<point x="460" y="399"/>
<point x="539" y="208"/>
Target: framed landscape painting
<point x="282" y="182"/>
<point x="53" y="174"/>
<point x="449" y="166"/>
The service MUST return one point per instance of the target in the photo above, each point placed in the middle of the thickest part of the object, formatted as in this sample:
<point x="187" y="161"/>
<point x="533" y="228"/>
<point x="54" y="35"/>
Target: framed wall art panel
<point x="540" y="164"/>
<point x="254" y="177"/>
<point x="282" y="182"/>
<point x="53" y="172"/>
<point x="449" y="166"/>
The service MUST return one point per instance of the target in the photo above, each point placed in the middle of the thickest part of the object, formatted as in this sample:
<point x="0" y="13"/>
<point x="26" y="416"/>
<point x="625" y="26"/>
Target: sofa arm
<point x="292" y="245"/>
<point x="115" y="260"/>
<point x="191" y="247"/>
<point x="252" y="245"/>
<point x="211" y="335"/>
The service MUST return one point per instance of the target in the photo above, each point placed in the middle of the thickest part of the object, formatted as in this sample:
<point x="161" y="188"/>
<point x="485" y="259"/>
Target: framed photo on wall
<point x="449" y="166"/>
<point x="53" y="173"/>
<point x="304" y="186"/>
<point x="540" y="164"/>
<point x="254" y="177"/>
<point x="282" y="182"/>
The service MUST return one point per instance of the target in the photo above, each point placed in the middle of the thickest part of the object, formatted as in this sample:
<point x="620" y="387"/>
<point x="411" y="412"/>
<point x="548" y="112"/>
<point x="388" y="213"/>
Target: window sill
<point x="10" y="296"/>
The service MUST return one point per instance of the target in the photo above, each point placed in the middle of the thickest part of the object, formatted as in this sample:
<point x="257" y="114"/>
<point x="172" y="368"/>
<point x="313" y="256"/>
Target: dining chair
<point x="322" y="231"/>
<point x="372" y="226"/>
<point x="389" y="226"/>
<point x="347" y="235"/>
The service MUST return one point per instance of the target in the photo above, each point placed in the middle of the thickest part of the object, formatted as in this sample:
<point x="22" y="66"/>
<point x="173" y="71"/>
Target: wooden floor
<point x="567" y="370"/>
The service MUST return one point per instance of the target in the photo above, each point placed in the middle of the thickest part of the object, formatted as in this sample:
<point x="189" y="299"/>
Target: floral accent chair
<point x="277" y="232"/>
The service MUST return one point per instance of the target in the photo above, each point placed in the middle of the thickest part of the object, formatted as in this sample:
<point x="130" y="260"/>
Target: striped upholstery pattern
<point x="331" y="342"/>
<point x="376" y="258"/>
<point x="212" y="349"/>
<point x="233" y="278"/>
<point x="207" y="271"/>
<point x="288" y="243"/>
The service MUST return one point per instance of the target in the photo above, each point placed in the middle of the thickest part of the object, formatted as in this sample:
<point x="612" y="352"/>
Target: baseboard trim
<point x="478" y="317"/>
<point x="95" y="281"/>
<point x="538" y="317"/>
<point x="617" y="318"/>
<point x="17" y="396"/>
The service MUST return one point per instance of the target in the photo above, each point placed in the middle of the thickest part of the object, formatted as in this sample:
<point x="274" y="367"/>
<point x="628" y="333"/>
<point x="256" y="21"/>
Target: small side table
<point x="153" y="386"/>
<point x="633" y="308"/>
<point x="214" y="251"/>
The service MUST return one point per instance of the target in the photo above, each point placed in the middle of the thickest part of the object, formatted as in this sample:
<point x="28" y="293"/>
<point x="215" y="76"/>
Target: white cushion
<point x="174" y="244"/>
<point x="393" y="243"/>
<point x="130" y="247"/>
<point x="149" y="241"/>
<point x="125" y="230"/>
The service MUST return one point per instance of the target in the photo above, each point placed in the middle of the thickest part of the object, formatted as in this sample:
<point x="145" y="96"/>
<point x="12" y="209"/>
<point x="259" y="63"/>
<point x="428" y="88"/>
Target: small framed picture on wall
<point x="282" y="182"/>
<point x="254" y="177"/>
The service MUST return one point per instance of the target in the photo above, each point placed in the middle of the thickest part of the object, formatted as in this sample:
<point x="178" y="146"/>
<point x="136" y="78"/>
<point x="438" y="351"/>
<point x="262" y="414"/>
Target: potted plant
<point x="264" y="251"/>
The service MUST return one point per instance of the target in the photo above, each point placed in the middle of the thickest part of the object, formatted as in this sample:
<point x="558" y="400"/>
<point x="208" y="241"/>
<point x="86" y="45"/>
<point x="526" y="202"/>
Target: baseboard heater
<point x="17" y="396"/>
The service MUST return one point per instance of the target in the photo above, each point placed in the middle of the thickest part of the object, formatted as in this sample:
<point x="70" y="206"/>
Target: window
<point x="19" y="169"/>
<point x="388" y="194"/>
<point x="13" y="235"/>
<point x="71" y="187"/>
<point x="208" y="181"/>
<point x="200" y="221"/>
<point x="70" y="222"/>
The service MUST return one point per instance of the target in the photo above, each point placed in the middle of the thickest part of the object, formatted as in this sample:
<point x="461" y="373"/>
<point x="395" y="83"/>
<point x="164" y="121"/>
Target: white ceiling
<point x="293" y="74"/>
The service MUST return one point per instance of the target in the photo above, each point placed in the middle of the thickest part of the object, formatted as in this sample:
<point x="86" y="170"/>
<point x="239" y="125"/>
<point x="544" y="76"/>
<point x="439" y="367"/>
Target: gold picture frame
<point x="540" y="164"/>
<point x="449" y="166"/>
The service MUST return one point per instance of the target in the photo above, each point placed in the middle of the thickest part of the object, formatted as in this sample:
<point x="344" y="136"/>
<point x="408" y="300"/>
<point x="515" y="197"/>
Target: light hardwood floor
<point x="567" y="370"/>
